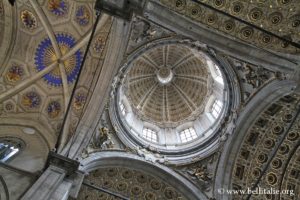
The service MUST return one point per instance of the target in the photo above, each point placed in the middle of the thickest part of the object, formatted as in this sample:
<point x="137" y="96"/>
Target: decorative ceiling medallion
<point x="14" y="74"/>
<point x="9" y="106"/>
<point x="45" y="55"/>
<point x="79" y="101"/>
<point x="28" y="19"/>
<point x="53" y="109"/>
<point x="99" y="44"/>
<point x="31" y="100"/>
<point x="58" y="7"/>
<point x="83" y="15"/>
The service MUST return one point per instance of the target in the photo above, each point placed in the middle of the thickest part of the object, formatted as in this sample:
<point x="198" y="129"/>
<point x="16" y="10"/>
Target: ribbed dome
<point x="168" y="84"/>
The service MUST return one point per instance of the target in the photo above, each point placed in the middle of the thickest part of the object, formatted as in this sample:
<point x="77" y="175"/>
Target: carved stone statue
<point x="142" y="152"/>
<point x="100" y="137"/>
<point x="142" y="31"/>
<point x="202" y="173"/>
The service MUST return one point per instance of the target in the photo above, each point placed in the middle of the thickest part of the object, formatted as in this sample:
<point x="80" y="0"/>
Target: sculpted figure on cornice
<point x="201" y="173"/>
<point x="144" y="31"/>
<point x="252" y="77"/>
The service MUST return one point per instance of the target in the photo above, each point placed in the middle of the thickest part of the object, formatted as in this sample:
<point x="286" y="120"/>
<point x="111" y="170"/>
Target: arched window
<point x="122" y="108"/>
<point x="188" y="135"/>
<point x="216" y="108"/>
<point x="9" y="147"/>
<point x="150" y="135"/>
<point x="218" y="76"/>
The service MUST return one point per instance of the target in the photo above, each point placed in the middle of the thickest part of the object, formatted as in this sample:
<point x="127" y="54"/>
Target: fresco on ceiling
<point x="79" y="101"/>
<point x="31" y="100"/>
<point x="58" y="7"/>
<point x="99" y="44"/>
<point x="28" y="19"/>
<point x="45" y="55"/>
<point x="53" y="109"/>
<point x="82" y="15"/>
<point x="9" y="107"/>
<point x="14" y="74"/>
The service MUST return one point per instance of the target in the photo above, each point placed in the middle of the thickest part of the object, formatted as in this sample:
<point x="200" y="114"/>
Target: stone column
<point x="46" y="185"/>
<point x="59" y="181"/>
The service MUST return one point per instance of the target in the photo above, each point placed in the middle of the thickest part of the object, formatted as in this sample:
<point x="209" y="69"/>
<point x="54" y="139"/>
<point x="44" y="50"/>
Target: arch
<point x="8" y="39"/>
<point x="48" y="136"/>
<point x="270" y="93"/>
<point x="122" y="159"/>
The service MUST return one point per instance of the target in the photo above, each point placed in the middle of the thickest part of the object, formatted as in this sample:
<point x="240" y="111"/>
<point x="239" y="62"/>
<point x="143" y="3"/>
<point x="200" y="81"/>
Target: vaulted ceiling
<point x="178" y="98"/>
<point x="277" y="17"/>
<point x="42" y="46"/>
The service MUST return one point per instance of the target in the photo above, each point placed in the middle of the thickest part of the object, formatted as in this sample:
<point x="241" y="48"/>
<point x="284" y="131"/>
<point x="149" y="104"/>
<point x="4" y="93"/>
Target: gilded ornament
<point x="136" y="190"/>
<point x="265" y="39"/>
<point x="229" y="25"/>
<point x="99" y="44"/>
<point x="54" y="109"/>
<point x="9" y="106"/>
<point x="269" y="143"/>
<point x="271" y="178"/>
<point x="31" y="100"/>
<point x="83" y="15"/>
<point x="212" y="18"/>
<point x="293" y="136"/>
<point x="170" y="193"/>
<point x="255" y="14"/>
<point x="262" y="158"/>
<point x="237" y="7"/>
<point x="79" y="101"/>
<point x="256" y="172"/>
<point x="155" y="184"/>
<point x="247" y="32"/>
<point x="276" y="163"/>
<point x="127" y="174"/>
<point x="14" y="74"/>
<point x="275" y="18"/>
<point x="179" y="4"/>
<point x="28" y="19"/>
<point x="219" y="3"/>
<point x="150" y="196"/>
<point x="122" y="186"/>
<point x="58" y="7"/>
<point x="111" y="172"/>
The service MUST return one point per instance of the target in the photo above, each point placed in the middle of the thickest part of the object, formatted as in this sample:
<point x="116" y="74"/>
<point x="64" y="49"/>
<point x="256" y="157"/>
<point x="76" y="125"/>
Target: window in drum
<point x="188" y="135"/>
<point x="216" y="108"/>
<point x="150" y="135"/>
